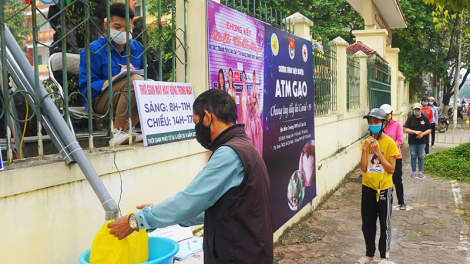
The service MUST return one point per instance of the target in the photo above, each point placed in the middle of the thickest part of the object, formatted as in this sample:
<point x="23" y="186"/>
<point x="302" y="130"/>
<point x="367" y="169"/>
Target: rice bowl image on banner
<point x="296" y="190"/>
<point x="307" y="163"/>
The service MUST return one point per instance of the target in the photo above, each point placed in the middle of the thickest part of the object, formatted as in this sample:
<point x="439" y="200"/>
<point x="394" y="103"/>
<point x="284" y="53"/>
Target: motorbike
<point x="450" y="112"/>
<point x="443" y="124"/>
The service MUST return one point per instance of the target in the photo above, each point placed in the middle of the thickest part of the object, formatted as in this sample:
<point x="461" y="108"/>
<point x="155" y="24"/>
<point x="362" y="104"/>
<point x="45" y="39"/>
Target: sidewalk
<point x="431" y="231"/>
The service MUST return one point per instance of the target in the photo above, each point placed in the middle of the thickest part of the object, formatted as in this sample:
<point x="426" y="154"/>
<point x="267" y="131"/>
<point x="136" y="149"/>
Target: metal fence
<point x="353" y="99"/>
<point x="76" y="24"/>
<point x="324" y="80"/>
<point x="379" y="82"/>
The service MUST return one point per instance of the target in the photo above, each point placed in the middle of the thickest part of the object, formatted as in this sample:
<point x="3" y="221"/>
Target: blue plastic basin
<point x="161" y="251"/>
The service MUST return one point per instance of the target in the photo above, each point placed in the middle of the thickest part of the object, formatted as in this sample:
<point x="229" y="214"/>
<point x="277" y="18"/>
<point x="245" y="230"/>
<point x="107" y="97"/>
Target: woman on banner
<point x="255" y="111"/>
<point x="231" y="89"/>
<point x="221" y="80"/>
<point x="244" y="107"/>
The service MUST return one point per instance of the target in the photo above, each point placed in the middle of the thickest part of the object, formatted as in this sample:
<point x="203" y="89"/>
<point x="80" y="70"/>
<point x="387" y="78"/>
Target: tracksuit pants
<point x="397" y="180"/>
<point x="370" y="210"/>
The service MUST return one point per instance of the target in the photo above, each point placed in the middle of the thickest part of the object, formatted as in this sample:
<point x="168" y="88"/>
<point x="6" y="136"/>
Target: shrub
<point x="453" y="163"/>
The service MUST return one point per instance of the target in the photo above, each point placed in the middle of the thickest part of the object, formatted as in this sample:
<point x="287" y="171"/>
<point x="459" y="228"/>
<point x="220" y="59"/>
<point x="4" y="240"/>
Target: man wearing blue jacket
<point x="99" y="73"/>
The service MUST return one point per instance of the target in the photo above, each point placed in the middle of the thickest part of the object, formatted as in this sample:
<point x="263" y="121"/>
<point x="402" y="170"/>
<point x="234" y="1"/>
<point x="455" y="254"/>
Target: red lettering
<point x="216" y="35"/>
<point x="189" y="90"/>
<point x="159" y="89"/>
<point x="226" y="38"/>
<point x="143" y="89"/>
<point x="237" y="41"/>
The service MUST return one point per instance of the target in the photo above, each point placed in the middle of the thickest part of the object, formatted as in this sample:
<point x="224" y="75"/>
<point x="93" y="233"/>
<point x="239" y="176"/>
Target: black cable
<point x="120" y="178"/>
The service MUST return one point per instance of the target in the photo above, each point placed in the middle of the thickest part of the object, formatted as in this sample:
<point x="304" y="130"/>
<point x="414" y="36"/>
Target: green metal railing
<point x="161" y="36"/>
<point x="325" y="80"/>
<point x="379" y="81"/>
<point x="353" y="99"/>
<point x="262" y="12"/>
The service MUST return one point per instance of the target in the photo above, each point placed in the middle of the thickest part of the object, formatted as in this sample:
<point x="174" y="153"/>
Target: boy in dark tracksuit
<point x="377" y="186"/>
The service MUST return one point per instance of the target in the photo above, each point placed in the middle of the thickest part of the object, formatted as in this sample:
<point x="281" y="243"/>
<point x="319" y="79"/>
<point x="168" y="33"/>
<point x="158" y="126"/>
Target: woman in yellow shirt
<point x="379" y="154"/>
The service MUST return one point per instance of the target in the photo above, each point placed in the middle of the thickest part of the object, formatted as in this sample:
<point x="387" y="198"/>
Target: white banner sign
<point x="165" y="111"/>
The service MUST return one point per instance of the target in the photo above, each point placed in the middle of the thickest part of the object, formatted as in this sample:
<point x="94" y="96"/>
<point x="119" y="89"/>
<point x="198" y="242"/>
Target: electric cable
<point x="120" y="178"/>
<point x="24" y="128"/>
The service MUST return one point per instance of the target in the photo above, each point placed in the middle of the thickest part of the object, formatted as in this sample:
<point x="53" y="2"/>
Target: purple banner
<point x="236" y="64"/>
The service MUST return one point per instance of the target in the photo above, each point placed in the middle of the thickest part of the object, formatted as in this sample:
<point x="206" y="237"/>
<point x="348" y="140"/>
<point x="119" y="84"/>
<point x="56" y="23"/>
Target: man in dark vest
<point x="231" y="195"/>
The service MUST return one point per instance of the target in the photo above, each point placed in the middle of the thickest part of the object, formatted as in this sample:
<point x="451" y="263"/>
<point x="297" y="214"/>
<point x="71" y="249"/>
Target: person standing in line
<point x="468" y="115"/>
<point x="394" y="130"/>
<point x="435" y="120"/>
<point x="417" y="126"/>
<point x="379" y="153"/>
<point x="426" y="112"/>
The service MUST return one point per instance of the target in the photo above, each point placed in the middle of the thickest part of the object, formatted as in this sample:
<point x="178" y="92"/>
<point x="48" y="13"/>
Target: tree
<point x="16" y="21"/>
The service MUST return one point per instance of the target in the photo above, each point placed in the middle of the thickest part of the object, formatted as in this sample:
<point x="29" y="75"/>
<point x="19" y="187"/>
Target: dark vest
<point x="238" y="227"/>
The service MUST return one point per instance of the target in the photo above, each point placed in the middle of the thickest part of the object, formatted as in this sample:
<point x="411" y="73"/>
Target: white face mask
<point x="118" y="36"/>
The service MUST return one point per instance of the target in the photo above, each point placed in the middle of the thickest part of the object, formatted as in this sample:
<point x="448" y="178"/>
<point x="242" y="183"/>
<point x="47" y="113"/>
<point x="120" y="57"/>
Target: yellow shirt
<point x="376" y="177"/>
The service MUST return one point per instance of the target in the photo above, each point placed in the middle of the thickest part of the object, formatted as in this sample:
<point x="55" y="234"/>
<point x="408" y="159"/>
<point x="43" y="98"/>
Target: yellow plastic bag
<point x="107" y="249"/>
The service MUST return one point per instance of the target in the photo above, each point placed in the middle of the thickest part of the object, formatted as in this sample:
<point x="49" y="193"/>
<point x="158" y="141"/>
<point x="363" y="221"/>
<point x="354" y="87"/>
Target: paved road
<point x="432" y="231"/>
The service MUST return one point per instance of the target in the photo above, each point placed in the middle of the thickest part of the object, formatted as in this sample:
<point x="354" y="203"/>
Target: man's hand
<point x="120" y="227"/>
<point x="419" y="136"/>
<point x="418" y="132"/>
<point x="140" y="207"/>
<point x="124" y="67"/>
<point x="375" y="146"/>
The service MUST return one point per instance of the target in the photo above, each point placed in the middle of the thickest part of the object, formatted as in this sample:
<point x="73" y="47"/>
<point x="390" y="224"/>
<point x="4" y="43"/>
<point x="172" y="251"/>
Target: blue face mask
<point x="417" y="112"/>
<point x="375" y="129"/>
<point x="424" y="103"/>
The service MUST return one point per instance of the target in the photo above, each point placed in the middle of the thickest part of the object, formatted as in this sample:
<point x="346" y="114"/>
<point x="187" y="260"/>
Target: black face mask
<point x="203" y="134"/>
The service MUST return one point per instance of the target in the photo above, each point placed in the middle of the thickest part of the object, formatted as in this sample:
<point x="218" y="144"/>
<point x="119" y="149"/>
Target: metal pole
<point x="63" y="131"/>
<point x="64" y="62"/>
<point x="144" y="37"/>
<point x="160" y="32"/>
<point x="128" y="62"/>
<point x="457" y="73"/>
<point x="110" y="76"/>
<point x="173" y="41"/>
<point x="5" y="83"/>
<point x="88" y="77"/>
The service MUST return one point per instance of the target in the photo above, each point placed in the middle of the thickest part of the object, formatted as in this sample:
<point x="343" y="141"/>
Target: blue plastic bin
<point x="161" y="251"/>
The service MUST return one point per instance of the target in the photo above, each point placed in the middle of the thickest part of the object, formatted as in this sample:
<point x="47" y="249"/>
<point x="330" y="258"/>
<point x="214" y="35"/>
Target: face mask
<point x="431" y="103"/>
<point x="118" y="36"/>
<point x="203" y="134"/>
<point x="417" y="112"/>
<point x="424" y="103"/>
<point x="375" y="129"/>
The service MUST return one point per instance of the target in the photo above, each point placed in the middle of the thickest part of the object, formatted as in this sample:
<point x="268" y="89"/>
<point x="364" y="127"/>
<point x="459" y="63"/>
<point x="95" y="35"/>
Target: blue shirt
<point x="99" y="64"/>
<point x="223" y="172"/>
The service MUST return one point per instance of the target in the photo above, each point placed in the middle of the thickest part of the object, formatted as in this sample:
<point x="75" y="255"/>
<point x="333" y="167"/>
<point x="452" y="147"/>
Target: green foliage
<point x="453" y="163"/>
<point x="16" y="21"/>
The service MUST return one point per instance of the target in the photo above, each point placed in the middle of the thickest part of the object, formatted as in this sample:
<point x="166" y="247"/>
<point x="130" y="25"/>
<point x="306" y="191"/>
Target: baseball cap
<point x="417" y="105"/>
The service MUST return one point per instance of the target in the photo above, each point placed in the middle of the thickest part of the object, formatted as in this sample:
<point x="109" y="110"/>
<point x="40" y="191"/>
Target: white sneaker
<point x="120" y="137"/>
<point x="433" y="147"/>
<point x="138" y="137"/>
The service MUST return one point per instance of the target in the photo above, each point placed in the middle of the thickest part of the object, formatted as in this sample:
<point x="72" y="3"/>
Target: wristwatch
<point x="132" y="222"/>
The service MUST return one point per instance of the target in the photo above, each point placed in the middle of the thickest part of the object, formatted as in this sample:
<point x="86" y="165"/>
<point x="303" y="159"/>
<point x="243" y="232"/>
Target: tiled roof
<point x="359" y="46"/>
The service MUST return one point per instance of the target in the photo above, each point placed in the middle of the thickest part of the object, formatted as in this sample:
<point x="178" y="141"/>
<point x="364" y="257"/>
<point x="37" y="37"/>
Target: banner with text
<point x="245" y="53"/>
<point x="165" y="111"/>
<point x="289" y="149"/>
<point x="236" y="64"/>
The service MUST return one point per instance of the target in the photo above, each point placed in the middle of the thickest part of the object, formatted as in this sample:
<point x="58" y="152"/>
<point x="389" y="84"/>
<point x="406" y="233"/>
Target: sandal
<point x="363" y="260"/>
<point x="403" y="207"/>
<point x="413" y="175"/>
<point x="421" y="176"/>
